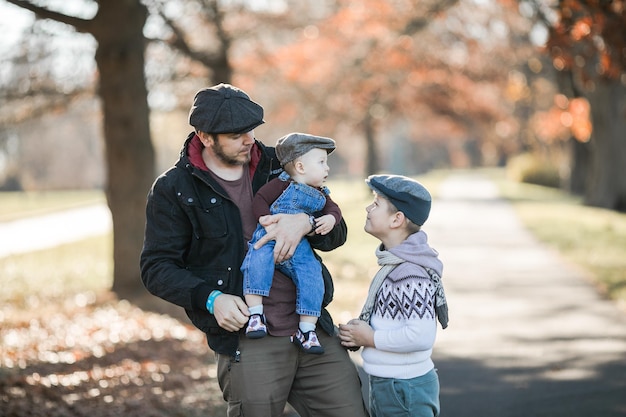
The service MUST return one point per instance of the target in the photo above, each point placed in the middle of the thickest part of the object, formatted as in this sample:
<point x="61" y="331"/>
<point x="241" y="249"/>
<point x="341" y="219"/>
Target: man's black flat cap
<point x="224" y="109"/>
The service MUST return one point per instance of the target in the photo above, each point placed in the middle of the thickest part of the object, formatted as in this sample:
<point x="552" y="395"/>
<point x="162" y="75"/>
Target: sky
<point x="12" y="21"/>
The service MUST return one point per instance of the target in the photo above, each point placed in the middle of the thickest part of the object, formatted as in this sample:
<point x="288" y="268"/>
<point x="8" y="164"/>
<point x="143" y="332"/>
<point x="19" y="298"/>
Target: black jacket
<point x="194" y="243"/>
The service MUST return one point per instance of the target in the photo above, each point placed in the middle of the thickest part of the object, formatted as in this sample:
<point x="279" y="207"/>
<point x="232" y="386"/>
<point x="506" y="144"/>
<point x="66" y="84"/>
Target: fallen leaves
<point x="98" y="356"/>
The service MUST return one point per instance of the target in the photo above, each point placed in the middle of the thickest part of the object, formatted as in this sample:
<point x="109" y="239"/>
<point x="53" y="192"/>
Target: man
<point x="198" y="222"/>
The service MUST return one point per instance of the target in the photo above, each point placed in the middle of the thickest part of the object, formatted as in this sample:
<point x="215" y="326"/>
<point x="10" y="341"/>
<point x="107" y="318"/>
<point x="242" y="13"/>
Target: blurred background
<point x="94" y="98"/>
<point x="405" y="86"/>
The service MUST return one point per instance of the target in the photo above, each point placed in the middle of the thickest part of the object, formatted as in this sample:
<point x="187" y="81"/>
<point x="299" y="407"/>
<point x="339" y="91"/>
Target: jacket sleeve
<point x="332" y="240"/>
<point x="167" y="237"/>
<point x="332" y="208"/>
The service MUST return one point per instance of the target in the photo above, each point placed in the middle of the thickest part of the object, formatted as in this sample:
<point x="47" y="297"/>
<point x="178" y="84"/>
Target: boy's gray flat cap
<point x="406" y="194"/>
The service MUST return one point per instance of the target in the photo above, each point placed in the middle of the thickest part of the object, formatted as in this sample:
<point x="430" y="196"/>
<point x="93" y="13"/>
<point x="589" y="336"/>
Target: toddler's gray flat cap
<point x="294" y="145"/>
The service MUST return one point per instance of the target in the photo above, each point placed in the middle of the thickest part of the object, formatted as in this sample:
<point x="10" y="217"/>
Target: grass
<point x="85" y="266"/>
<point x="15" y="205"/>
<point x="46" y="275"/>
<point x="593" y="238"/>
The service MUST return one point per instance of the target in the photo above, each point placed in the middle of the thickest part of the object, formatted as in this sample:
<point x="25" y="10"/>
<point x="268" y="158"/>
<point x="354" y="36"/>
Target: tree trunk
<point x="580" y="161"/>
<point x="118" y="29"/>
<point x="370" y="147"/>
<point x="607" y="185"/>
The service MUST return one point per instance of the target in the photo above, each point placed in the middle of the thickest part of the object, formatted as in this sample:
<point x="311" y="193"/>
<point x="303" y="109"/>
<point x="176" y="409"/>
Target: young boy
<point x="299" y="189"/>
<point x="397" y="326"/>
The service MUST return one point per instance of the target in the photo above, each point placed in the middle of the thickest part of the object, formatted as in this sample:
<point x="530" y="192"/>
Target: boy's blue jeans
<point x="416" y="397"/>
<point x="303" y="268"/>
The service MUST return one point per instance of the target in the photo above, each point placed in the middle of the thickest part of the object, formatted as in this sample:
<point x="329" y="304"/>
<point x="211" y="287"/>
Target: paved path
<point x="528" y="335"/>
<point x="25" y="235"/>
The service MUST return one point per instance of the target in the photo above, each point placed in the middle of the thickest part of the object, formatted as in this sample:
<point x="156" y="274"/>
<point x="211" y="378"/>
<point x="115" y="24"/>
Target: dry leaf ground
<point x="96" y="356"/>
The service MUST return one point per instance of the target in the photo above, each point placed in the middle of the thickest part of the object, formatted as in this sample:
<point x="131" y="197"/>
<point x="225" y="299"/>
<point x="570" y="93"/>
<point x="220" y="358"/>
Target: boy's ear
<point x="299" y="166"/>
<point x="398" y="220"/>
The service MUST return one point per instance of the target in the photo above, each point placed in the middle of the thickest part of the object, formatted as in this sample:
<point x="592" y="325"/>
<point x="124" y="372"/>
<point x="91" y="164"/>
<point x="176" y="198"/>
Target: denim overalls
<point x="303" y="268"/>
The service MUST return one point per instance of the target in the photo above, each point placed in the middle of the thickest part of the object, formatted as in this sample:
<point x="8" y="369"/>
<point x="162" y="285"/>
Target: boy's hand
<point x="356" y="333"/>
<point x="324" y="224"/>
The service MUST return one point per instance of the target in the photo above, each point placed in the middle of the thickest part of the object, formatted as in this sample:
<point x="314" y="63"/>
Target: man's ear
<point x="205" y="138"/>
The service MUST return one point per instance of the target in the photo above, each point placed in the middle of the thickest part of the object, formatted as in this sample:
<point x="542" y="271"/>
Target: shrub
<point x="533" y="169"/>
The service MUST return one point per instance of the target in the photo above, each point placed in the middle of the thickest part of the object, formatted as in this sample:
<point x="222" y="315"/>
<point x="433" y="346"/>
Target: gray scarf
<point x="388" y="261"/>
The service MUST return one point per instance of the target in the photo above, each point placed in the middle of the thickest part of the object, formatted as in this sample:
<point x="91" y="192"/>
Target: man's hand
<point x="287" y="230"/>
<point x="231" y="312"/>
<point x="356" y="333"/>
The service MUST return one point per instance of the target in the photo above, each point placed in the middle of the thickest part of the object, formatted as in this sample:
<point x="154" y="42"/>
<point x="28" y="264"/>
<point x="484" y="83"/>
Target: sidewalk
<point x="528" y="336"/>
<point x="26" y="235"/>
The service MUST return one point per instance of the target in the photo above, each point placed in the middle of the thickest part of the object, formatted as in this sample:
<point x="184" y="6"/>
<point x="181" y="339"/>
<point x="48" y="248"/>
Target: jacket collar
<point x="193" y="151"/>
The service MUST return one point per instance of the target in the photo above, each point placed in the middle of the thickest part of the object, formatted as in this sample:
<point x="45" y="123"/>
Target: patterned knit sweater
<point x="404" y="314"/>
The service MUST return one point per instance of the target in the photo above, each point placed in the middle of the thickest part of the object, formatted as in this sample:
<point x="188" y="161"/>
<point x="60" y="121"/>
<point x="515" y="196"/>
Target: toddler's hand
<point x="324" y="224"/>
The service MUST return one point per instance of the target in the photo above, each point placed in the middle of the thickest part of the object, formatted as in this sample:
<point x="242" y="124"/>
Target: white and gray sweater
<point x="403" y="317"/>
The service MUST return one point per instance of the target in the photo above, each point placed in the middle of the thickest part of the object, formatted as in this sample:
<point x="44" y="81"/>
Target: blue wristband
<point x="211" y="300"/>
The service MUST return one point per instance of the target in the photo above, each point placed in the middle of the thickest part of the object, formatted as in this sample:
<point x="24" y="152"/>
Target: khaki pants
<point x="273" y="371"/>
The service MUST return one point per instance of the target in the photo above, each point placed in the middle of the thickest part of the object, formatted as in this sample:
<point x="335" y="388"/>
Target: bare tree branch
<point x="216" y="60"/>
<point x="81" y="25"/>
<point x="420" y="22"/>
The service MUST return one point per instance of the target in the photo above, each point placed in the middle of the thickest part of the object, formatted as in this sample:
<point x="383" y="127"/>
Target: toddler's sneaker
<point x="256" y="327"/>
<point x="308" y="342"/>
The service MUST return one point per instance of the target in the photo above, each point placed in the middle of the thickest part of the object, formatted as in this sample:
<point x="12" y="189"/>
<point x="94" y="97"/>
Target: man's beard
<point x="227" y="159"/>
